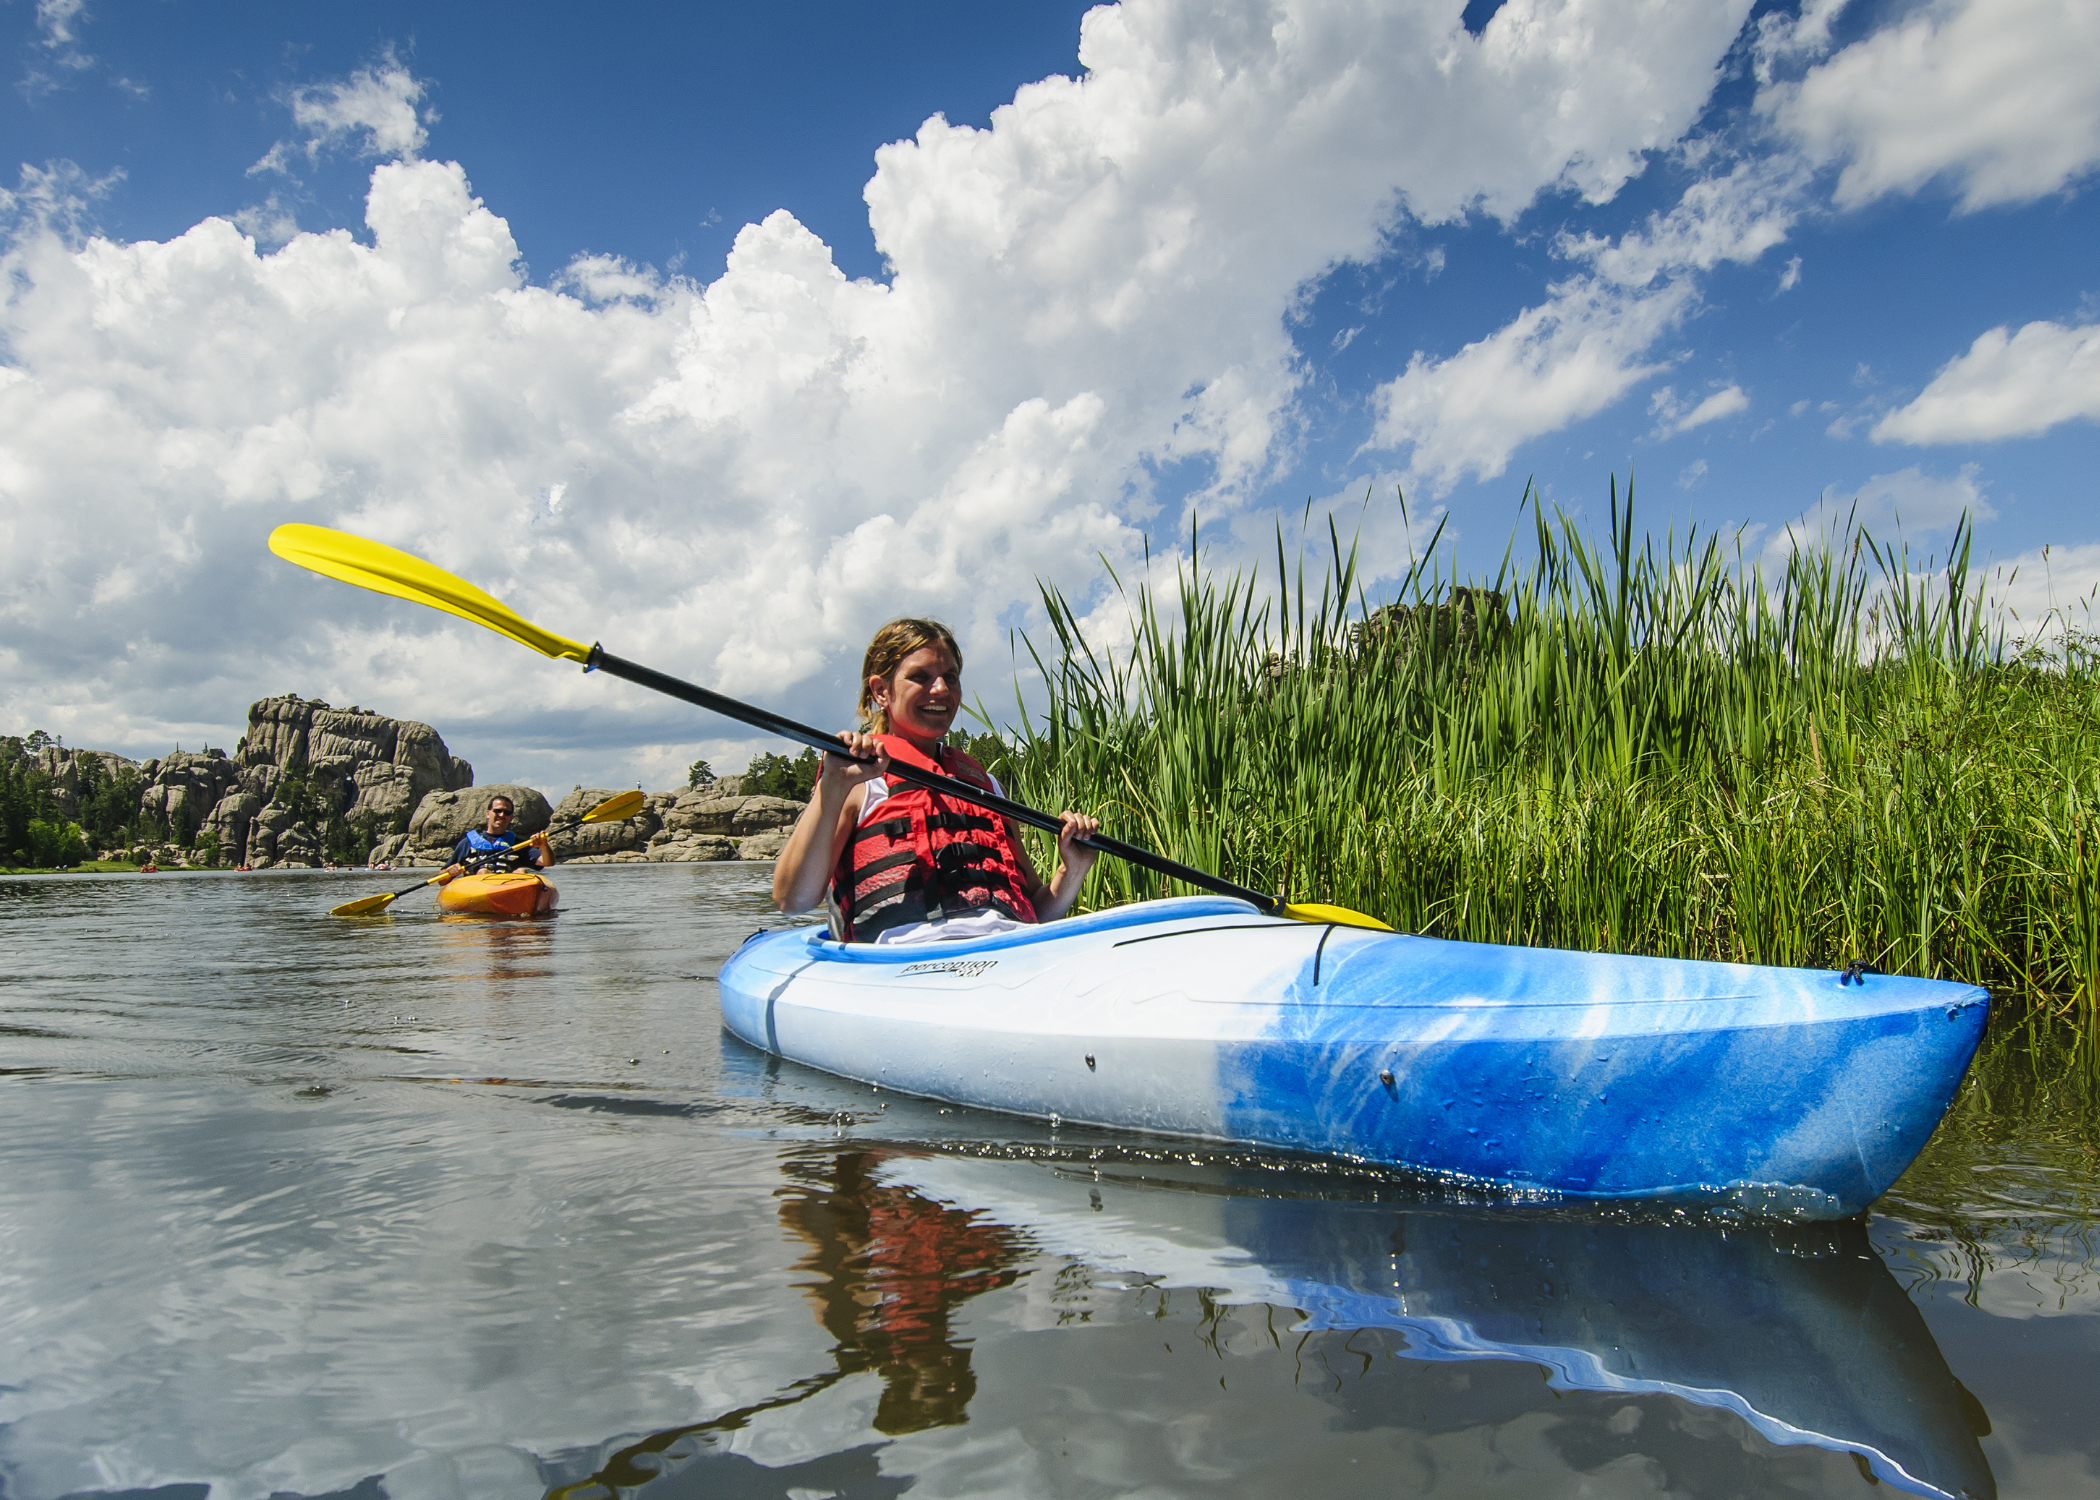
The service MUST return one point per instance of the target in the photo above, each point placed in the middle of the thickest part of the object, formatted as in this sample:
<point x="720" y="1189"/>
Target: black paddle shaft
<point x="602" y="660"/>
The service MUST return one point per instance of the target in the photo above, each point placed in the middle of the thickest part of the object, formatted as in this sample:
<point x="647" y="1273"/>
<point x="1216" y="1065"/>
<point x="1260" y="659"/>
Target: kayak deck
<point x="518" y="893"/>
<point x="1573" y="1074"/>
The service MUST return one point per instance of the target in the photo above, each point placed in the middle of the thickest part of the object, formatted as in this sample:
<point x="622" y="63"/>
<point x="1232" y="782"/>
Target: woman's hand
<point x="860" y="759"/>
<point x="1057" y="895"/>
<point x="1073" y="855"/>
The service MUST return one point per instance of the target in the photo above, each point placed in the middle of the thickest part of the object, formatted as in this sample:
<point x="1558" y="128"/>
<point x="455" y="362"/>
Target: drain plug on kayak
<point x="1090" y="1062"/>
<point x="1385" y="1076"/>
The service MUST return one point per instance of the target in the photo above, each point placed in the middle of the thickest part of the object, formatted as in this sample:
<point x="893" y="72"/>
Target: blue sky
<point x="653" y="132"/>
<point x="674" y="326"/>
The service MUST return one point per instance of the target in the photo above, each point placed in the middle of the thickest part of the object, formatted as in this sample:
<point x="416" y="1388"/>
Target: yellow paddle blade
<point x="615" y="809"/>
<point x="1341" y="916"/>
<point x="388" y="570"/>
<point x="366" y="905"/>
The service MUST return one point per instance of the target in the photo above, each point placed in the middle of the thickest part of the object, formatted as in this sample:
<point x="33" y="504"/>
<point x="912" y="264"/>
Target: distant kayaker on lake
<point x="491" y="847"/>
<point x="897" y="862"/>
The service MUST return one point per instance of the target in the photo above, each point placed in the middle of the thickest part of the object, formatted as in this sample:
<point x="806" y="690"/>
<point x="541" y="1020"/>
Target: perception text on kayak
<point x="961" y="968"/>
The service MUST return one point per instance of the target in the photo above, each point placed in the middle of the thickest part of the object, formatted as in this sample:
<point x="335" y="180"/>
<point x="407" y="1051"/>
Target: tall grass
<point x="1646" y="746"/>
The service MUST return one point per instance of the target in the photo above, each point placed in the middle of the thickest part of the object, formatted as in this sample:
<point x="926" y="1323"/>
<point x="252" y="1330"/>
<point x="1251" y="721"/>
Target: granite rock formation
<point x="185" y="789"/>
<point x="300" y="765"/>
<point x="367" y="763"/>
<point x="672" y="829"/>
<point x="67" y="770"/>
<point x="1469" y="620"/>
<point x="704" y="811"/>
<point x="306" y="775"/>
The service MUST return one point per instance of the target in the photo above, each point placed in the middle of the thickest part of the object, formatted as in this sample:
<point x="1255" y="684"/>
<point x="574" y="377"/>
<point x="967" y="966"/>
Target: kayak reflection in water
<point x="1798" y="1332"/>
<point x="901" y="864"/>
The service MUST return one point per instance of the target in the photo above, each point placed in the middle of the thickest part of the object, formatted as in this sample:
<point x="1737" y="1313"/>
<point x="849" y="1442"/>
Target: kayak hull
<point x="520" y="893"/>
<point x="1567" y="1074"/>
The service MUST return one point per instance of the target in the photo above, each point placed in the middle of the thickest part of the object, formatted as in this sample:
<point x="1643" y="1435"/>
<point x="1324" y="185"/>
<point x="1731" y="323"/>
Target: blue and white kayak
<point x="1578" y="1075"/>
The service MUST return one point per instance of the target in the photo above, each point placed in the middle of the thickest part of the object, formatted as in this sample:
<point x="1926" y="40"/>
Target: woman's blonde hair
<point x="886" y="653"/>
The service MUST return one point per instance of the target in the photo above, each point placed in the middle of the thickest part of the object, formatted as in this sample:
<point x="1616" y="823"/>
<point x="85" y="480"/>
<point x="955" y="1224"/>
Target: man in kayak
<point x="491" y="847"/>
<point x="897" y="863"/>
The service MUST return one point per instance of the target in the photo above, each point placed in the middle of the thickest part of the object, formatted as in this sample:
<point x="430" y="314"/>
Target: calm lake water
<point x="454" y="1208"/>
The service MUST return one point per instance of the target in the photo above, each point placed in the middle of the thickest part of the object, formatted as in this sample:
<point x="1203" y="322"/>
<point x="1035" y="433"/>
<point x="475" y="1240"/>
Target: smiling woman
<point x="910" y="864"/>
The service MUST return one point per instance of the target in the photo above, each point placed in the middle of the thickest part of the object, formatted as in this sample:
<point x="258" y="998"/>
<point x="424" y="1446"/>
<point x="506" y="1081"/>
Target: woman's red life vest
<point x="920" y="856"/>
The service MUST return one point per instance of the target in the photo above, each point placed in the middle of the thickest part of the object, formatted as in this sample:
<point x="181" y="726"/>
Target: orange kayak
<point x="518" y="894"/>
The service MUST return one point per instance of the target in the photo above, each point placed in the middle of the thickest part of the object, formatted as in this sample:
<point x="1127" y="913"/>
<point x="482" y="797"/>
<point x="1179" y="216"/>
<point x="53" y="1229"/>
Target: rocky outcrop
<point x="442" y="819"/>
<point x="72" y="771"/>
<point x="275" y="839"/>
<point x="705" y="811"/>
<point x="765" y="845"/>
<point x="364" y="765"/>
<point x="305" y="775"/>
<point x="574" y="839"/>
<point x="1469" y="620"/>
<point x="232" y="821"/>
<point x="301" y="766"/>
<point x="707" y="824"/>
<point x="674" y="828"/>
<point x="184" y="789"/>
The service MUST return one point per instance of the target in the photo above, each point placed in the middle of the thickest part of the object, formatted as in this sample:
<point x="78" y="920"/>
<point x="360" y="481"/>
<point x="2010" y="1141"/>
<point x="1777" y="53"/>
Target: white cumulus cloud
<point x="1678" y="417"/>
<point x="1999" y="97"/>
<point x="375" y="110"/>
<point x="736" y="480"/>
<point x="2007" y="385"/>
<point x="1551" y="365"/>
<point x="2047" y="590"/>
<point x="1909" y="503"/>
<point x="1592" y="339"/>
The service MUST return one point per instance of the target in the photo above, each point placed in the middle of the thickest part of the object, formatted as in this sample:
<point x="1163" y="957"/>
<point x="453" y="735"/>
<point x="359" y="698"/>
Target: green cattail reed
<point x="1647" y="746"/>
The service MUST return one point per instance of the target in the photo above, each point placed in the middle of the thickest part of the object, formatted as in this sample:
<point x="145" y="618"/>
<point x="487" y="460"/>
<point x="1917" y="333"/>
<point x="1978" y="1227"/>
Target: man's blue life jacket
<point x="478" y="848"/>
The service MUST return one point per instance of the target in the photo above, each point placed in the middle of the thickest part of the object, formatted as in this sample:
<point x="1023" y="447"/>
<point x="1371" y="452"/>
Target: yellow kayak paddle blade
<point x="1340" y="916"/>
<point x="388" y="570"/>
<point x="616" y="809"/>
<point x="372" y="906"/>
